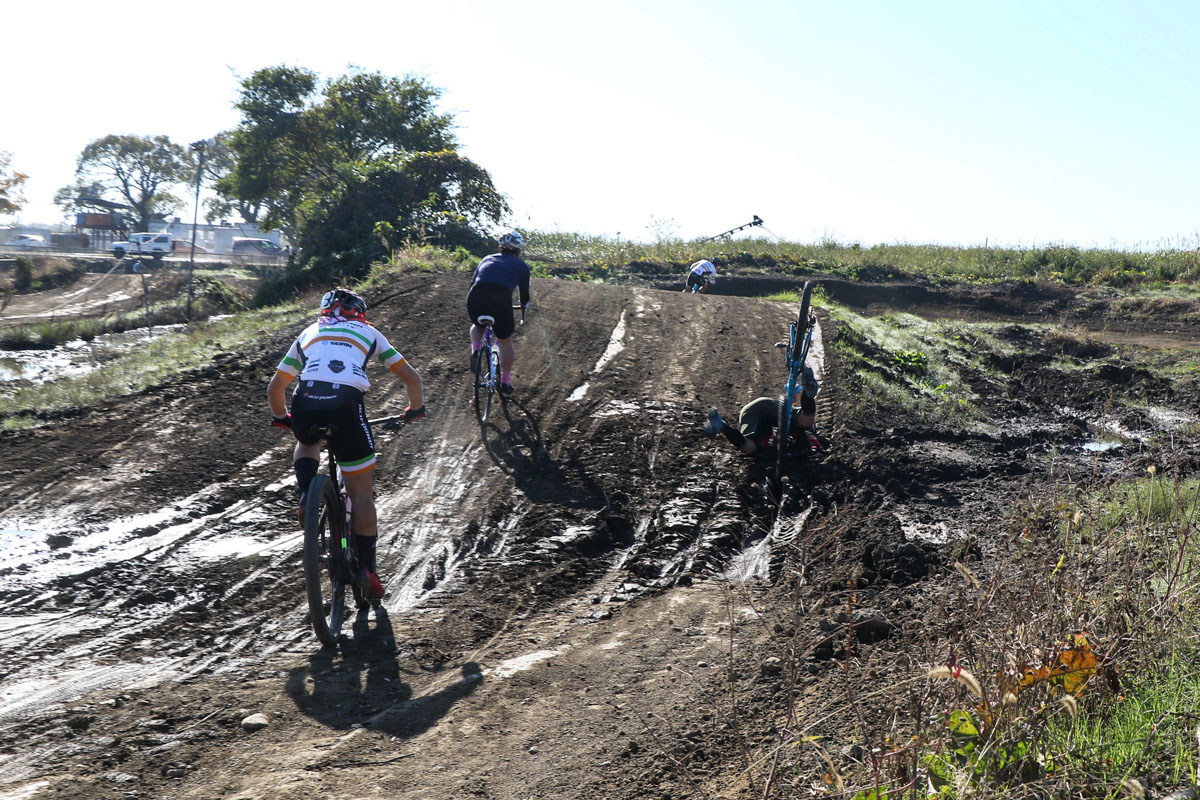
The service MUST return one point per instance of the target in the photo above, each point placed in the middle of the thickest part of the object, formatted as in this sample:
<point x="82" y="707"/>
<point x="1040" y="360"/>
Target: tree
<point x="140" y="169"/>
<point x="306" y="151"/>
<point x="67" y="198"/>
<point x="440" y="197"/>
<point x="11" y="184"/>
<point x="219" y="163"/>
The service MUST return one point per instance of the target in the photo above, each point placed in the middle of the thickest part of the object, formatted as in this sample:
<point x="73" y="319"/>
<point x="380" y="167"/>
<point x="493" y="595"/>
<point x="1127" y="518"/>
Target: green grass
<point x="906" y="362"/>
<point x="162" y="358"/>
<point x="1148" y="730"/>
<point x="786" y="296"/>
<point x="1056" y="263"/>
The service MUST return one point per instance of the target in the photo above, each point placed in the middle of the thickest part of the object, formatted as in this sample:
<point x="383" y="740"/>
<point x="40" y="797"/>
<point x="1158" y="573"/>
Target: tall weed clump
<point x="1063" y="663"/>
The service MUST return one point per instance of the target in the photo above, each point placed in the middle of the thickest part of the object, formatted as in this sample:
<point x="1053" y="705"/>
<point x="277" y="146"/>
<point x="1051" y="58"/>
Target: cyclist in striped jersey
<point x="330" y="358"/>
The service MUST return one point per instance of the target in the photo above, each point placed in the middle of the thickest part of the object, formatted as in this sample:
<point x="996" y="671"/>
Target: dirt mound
<point x="580" y="595"/>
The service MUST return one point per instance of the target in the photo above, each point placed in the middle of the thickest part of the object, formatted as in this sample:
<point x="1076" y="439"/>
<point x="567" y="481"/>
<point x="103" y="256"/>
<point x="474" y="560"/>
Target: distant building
<point x="214" y="238"/>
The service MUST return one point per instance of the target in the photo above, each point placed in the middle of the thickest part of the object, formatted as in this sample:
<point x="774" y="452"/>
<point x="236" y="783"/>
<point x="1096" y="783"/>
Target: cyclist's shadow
<point x="364" y="681"/>
<point x="520" y="452"/>
<point x="518" y="447"/>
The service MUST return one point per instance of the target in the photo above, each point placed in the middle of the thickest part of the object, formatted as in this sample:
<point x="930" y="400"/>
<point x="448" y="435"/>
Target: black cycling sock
<point x="733" y="435"/>
<point x="366" y="551"/>
<point x="306" y="470"/>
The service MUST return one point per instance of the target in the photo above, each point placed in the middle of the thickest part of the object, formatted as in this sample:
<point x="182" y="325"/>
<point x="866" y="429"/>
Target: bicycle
<point x="330" y="558"/>
<point x="487" y="366"/>
<point x="800" y="333"/>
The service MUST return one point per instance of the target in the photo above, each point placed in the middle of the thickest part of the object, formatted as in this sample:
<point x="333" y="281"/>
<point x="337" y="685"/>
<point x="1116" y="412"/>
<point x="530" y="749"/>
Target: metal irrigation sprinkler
<point x="756" y="221"/>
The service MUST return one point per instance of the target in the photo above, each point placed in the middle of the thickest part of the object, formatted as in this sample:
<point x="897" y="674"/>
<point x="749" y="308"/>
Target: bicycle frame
<point x="489" y="348"/>
<point x="328" y="544"/>
<point x="800" y="333"/>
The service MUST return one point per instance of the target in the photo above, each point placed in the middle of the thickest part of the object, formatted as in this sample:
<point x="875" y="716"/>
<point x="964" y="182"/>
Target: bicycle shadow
<point x="520" y="452"/>
<point x="352" y="683"/>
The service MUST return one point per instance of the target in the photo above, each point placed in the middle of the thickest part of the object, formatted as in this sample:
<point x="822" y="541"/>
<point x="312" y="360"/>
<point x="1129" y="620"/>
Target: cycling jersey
<point x="759" y="418"/>
<point x="704" y="269"/>
<point x="507" y="270"/>
<point x="336" y="350"/>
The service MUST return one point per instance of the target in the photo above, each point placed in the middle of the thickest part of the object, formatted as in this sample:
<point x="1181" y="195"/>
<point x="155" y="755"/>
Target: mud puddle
<point x="75" y="358"/>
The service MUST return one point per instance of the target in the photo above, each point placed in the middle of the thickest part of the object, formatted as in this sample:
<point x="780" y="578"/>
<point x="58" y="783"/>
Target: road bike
<point x="487" y="367"/>
<point x="800" y="333"/>
<point x="330" y="557"/>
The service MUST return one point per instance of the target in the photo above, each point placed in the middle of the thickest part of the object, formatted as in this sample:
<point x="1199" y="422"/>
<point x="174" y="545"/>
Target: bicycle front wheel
<point x="323" y="582"/>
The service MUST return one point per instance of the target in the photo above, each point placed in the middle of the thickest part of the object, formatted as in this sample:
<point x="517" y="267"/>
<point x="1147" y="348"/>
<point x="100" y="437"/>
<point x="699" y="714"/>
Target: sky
<point x="963" y="123"/>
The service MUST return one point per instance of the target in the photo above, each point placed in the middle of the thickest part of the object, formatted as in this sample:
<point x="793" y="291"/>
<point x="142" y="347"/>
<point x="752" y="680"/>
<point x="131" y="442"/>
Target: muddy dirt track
<point x="580" y="596"/>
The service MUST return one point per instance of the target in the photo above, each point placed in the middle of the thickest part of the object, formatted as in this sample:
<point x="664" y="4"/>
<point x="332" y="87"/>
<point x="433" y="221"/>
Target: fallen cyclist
<point x="759" y="419"/>
<point x="330" y="358"/>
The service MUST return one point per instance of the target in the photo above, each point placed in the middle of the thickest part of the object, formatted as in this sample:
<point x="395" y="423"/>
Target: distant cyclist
<point x="330" y="359"/>
<point x="703" y="274"/>
<point x="759" y="419"/>
<point x="491" y="295"/>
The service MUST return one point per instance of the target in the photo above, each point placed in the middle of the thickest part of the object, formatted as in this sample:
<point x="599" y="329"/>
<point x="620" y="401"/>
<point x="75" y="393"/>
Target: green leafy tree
<point x="141" y="170"/>
<point x="440" y="197"/>
<point x="11" y="185"/>
<point x="219" y="163"/>
<point x="327" y="161"/>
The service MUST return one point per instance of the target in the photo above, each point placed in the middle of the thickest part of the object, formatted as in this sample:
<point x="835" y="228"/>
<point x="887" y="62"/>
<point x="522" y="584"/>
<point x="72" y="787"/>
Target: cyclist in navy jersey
<point x="491" y="295"/>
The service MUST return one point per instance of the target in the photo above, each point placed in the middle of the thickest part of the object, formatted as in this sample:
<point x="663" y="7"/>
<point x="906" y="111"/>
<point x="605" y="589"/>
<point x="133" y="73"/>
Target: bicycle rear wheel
<point x="487" y="370"/>
<point x="323" y="582"/>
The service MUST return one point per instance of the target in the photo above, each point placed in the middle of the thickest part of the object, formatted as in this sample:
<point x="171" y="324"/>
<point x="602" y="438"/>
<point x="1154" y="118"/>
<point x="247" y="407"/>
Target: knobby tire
<point x="805" y="303"/>
<point x="323" y="522"/>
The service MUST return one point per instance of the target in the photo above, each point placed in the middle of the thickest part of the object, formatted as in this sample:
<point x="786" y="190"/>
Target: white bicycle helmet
<point x="512" y="241"/>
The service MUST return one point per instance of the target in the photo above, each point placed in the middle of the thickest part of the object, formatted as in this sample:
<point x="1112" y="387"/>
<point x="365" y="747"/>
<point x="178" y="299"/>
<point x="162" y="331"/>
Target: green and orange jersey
<point x="336" y="350"/>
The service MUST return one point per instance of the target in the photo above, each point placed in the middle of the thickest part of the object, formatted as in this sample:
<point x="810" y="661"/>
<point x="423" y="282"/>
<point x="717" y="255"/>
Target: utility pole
<point x="198" y="147"/>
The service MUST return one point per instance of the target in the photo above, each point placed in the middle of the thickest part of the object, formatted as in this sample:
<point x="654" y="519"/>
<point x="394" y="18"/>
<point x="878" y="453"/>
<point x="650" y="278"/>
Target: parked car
<point x="27" y="240"/>
<point x="145" y="244"/>
<point x="247" y="246"/>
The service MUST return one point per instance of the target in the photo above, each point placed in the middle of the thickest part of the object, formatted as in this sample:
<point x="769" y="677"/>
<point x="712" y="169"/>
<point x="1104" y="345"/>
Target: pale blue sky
<point x="1020" y="123"/>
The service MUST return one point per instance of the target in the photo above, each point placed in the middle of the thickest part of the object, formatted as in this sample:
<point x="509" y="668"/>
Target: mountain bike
<point x="487" y="367"/>
<point x="800" y="333"/>
<point x="330" y="557"/>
